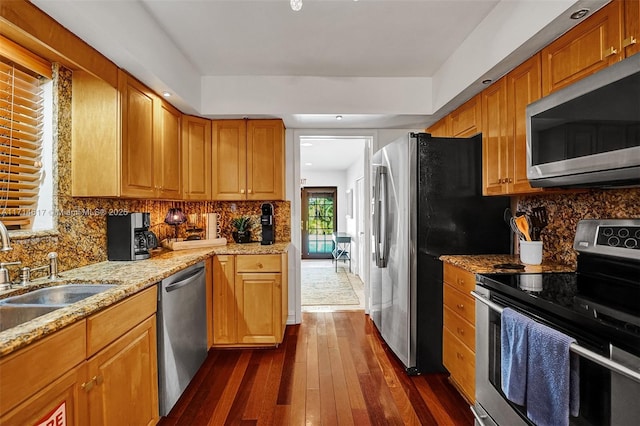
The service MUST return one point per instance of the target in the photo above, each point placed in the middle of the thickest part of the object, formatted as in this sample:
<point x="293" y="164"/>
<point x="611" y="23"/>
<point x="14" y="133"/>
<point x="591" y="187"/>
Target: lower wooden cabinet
<point x="59" y="378"/>
<point x="458" y="345"/>
<point x="249" y="300"/>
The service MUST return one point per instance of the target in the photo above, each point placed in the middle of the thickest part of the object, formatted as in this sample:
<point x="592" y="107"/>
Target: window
<point x="23" y="81"/>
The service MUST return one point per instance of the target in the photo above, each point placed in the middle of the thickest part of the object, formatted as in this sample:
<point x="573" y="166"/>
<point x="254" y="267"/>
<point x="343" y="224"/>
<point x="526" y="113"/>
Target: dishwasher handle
<point x="184" y="282"/>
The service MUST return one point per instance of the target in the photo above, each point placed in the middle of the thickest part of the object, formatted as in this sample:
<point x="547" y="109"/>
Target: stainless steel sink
<point x="65" y="294"/>
<point x="14" y="315"/>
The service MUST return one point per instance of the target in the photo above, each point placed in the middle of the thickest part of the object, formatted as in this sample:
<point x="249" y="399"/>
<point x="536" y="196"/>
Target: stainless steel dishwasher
<point x="182" y="332"/>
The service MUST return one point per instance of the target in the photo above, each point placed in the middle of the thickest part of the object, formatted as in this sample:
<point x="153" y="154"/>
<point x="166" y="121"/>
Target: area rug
<point x="325" y="286"/>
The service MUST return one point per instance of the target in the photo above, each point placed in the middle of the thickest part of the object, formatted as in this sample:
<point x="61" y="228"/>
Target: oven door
<point x="604" y="391"/>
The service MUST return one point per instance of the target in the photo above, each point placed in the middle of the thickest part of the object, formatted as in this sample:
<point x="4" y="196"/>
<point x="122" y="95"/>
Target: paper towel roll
<point x="213" y="230"/>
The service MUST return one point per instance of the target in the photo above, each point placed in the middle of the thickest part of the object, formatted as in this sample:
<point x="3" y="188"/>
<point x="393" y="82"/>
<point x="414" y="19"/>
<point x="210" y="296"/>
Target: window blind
<point x="21" y="122"/>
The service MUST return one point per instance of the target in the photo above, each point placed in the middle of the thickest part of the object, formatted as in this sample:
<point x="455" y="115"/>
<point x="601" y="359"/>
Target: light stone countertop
<point x="130" y="277"/>
<point x="484" y="264"/>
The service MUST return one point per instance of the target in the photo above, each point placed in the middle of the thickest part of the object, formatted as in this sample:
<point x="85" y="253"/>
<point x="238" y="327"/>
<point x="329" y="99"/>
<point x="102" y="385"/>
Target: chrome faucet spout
<point x="4" y="238"/>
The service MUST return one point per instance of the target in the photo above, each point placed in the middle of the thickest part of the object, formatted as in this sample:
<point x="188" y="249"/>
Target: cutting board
<point x="182" y="244"/>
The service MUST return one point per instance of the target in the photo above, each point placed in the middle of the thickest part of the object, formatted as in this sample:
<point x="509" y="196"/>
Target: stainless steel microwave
<point x="588" y="134"/>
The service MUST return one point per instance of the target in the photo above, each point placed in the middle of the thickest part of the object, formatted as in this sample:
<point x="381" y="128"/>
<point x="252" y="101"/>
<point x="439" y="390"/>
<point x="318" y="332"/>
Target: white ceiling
<point x="327" y="154"/>
<point x="379" y="63"/>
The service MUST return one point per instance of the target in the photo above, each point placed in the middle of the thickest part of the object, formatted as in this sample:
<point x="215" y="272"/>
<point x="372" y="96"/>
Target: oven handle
<point x="479" y="417"/>
<point x="586" y="353"/>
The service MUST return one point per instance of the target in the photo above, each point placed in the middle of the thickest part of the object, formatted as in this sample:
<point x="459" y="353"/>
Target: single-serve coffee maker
<point x="268" y="224"/>
<point x="129" y="238"/>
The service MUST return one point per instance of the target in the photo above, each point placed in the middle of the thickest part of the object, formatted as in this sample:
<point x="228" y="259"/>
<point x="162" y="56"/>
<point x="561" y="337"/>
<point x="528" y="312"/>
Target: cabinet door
<point x="196" y="158"/>
<point x="265" y="160"/>
<point x="631" y="40"/>
<point x="258" y="302"/>
<point x="523" y="87"/>
<point x="137" y="139"/>
<point x="495" y="144"/>
<point x="168" y="165"/>
<point x="441" y="128"/>
<point x="229" y="160"/>
<point x="466" y="119"/>
<point x="124" y="378"/>
<point x="62" y="402"/>
<point x="224" y="302"/>
<point x="587" y="48"/>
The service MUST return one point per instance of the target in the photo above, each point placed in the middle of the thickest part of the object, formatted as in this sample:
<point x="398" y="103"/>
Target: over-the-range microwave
<point x="588" y="133"/>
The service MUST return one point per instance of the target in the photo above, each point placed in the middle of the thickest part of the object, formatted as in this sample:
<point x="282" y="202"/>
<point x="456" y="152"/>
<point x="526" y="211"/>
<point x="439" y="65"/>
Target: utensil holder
<point x="531" y="252"/>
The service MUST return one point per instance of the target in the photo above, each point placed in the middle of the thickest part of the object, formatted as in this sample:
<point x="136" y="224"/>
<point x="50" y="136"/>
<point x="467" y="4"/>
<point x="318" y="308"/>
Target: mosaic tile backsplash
<point x="81" y="237"/>
<point x="566" y="210"/>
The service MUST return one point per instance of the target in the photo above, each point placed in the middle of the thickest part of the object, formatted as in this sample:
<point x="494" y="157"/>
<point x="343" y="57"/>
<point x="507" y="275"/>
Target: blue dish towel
<point x="553" y="388"/>
<point x="514" y="350"/>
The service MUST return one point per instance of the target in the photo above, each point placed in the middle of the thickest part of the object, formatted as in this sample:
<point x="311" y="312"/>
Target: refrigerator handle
<point x="383" y="218"/>
<point x="376" y="216"/>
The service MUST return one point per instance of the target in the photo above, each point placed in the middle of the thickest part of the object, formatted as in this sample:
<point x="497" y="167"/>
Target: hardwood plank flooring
<point x="332" y="369"/>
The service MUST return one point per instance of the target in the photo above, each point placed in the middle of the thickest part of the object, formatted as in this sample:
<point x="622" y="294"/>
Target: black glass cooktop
<point x="571" y="296"/>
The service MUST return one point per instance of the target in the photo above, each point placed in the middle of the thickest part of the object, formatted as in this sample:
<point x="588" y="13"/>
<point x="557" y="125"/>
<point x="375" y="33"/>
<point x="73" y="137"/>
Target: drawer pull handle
<point x="99" y="380"/>
<point x="88" y="386"/>
<point x="610" y="51"/>
<point x="629" y="41"/>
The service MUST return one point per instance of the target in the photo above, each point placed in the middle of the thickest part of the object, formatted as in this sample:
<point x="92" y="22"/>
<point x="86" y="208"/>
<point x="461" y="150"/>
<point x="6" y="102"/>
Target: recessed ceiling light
<point x="166" y="94"/>
<point x="306" y="144"/>
<point x="487" y="81"/>
<point x="338" y="117"/>
<point x="308" y="164"/>
<point x="579" y="14"/>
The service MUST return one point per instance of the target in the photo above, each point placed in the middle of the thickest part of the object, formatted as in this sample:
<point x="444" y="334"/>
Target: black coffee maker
<point x="129" y="238"/>
<point x="268" y="224"/>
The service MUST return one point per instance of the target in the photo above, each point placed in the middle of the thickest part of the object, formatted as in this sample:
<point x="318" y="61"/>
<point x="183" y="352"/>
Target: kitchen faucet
<point x="4" y="237"/>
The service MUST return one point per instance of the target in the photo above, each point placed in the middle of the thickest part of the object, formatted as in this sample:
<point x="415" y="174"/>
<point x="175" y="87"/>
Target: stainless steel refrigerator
<point x="427" y="201"/>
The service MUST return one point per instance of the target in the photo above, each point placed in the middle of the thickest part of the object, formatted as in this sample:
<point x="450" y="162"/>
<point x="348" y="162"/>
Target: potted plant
<point x="242" y="234"/>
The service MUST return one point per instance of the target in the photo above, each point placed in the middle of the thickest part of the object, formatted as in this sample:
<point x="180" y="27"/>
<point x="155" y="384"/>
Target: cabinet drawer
<point x="258" y="263"/>
<point x="460" y="303"/>
<point x="460" y="279"/>
<point x="461" y="363"/>
<point x="108" y="325"/>
<point x="460" y="328"/>
<point x="30" y="369"/>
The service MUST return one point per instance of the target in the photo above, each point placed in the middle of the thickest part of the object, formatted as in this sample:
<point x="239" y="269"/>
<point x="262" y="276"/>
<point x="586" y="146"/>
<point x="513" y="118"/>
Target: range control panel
<point x="619" y="236"/>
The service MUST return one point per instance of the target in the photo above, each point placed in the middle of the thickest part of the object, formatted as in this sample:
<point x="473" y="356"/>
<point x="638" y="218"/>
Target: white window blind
<point x="21" y="122"/>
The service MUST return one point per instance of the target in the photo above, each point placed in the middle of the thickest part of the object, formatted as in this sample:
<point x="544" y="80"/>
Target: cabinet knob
<point x="629" y="41"/>
<point x="260" y="265"/>
<point x="99" y="380"/>
<point x="248" y="191"/>
<point x="460" y="306"/>
<point x="460" y="331"/>
<point x="459" y="355"/>
<point x="610" y="51"/>
<point x="88" y="385"/>
<point x="460" y="281"/>
<point x="242" y="191"/>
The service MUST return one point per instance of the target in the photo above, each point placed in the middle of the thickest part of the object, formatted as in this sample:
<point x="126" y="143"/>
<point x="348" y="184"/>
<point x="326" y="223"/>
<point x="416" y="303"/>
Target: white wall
<point x="355" y="172"/>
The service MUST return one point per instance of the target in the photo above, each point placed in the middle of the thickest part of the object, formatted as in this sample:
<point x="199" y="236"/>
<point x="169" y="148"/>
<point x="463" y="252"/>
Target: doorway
<point x="319" y="207"/>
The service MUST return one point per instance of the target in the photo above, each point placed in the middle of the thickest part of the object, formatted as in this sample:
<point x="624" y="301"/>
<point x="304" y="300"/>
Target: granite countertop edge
<point x="485" y="264"/>
<point x="131" y="277"/>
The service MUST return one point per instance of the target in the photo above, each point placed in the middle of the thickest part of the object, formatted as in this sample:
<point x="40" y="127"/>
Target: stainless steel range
<point x="599" y="306"/>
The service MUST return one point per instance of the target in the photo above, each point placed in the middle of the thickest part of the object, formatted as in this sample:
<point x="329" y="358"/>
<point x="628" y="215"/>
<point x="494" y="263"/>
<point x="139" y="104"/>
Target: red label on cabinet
<point x="57" y="417"/>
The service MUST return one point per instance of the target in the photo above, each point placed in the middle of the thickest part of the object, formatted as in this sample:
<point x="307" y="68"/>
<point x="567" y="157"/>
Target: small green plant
<point x="242" y="223"/>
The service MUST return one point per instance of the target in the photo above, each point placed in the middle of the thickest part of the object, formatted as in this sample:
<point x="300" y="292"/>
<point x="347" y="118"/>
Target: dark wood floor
<point x="332" y="369"/>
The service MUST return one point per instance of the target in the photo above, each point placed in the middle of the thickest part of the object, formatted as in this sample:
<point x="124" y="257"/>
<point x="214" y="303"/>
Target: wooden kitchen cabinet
<point x="504" y="149"/>
<point x="631" y="34"/>
<point x="587" y="48"/>
<point x="250" y="300"/>
<point x="495" y="142"/>
<point x="248" y="160"/>
<point x="196" y="158"/>
<point x="458" y="353"/>
<point x="440" y="128"/>
<point x="467" y="118"/>
<point x="125" y="140"/>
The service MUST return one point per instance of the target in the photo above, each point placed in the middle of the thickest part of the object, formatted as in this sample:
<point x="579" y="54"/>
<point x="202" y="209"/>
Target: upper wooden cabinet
<point x="504" y="138"/>
<point x="589" y="47"/>
<point x="440" y="128"/>
<point x="466" y="119"/>
<point x="496" y="164"/>
<point x="248" y="160"/>
<point x="631" y="34"/>
<point x="126" y="141"/>
<point x="196" y="158"/>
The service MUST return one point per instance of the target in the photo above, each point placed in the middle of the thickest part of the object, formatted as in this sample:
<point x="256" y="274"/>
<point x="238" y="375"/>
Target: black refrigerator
<point x="427" y="201"/>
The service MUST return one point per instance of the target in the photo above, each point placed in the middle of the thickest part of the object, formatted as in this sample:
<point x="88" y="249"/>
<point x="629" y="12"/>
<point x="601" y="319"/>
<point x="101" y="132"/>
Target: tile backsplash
<point x="567" y="209"/>
<point x="81" y="236"/>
